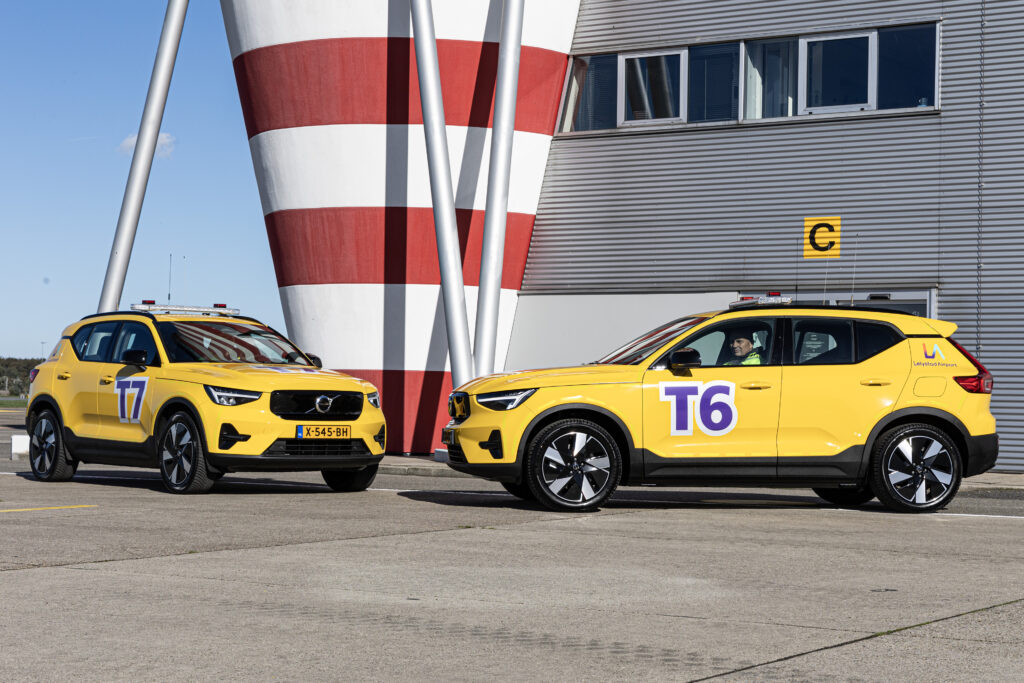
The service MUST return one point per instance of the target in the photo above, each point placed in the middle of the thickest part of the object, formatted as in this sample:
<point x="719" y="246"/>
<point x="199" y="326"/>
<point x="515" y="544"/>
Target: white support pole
<point x="448" y="253"/>
<point x="142" y="159"/>
<point x="495" y="219"/>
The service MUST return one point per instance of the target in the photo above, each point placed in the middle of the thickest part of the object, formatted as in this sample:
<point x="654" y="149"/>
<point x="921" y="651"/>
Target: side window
<point x="80" y="339"/>
<point x="822" y="341"/>
<point x="873" y="338"/>
<point x="100" y="341"/>
<point x="740" y="342"/>
<point x="133" y="337"/>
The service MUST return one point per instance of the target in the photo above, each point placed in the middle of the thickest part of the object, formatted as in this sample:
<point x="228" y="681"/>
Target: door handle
<point x="63" y="375"/>
<point x="106" y="379"/>
<point x="875" y="382"/>
<point x="756" y="386"/>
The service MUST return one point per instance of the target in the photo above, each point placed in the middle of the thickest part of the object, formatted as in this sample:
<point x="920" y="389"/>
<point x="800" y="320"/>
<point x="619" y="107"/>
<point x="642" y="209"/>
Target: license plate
<point x="448" y="437"/>
<point x="323" y="432"/>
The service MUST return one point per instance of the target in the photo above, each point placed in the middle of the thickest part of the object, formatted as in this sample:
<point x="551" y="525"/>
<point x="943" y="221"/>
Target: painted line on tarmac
<point x="508" y="495"/>
<point x="58" y="507"/>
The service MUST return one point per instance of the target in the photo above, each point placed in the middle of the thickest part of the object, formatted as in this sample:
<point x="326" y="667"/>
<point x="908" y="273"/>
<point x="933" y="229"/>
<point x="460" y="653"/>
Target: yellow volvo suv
<point x="855" y="403"/>
<point x="197" y="392"/>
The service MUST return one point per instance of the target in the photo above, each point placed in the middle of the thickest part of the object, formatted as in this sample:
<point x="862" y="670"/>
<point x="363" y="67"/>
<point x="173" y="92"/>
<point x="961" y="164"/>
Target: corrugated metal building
<point x="688" y="205"/>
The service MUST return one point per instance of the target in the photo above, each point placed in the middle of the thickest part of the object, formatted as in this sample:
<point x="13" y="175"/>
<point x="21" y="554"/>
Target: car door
<point x="80" y="381"/>
<point x="719" y="419"/>
<point x="840" y="377"/>
<point x="125" y="398"/>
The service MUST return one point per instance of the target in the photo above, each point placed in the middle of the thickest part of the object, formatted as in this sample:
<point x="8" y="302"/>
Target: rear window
<point x="101" y="338"/>
<point x="823" y="341"/>
<point x="873" y="338"/>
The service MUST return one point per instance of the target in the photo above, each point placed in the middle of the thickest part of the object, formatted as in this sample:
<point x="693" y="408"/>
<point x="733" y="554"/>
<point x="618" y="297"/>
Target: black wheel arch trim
<point x="963" y="437"/>
<point x="635" y="465"/>
<point x="166" y="412"/>
<point x="48" y="401"/>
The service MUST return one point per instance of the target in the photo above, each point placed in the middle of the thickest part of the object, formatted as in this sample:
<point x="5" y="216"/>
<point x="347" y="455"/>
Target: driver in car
<point x="741" y="343"/>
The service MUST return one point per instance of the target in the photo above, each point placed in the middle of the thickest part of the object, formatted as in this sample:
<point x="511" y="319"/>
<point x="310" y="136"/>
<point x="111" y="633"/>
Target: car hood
<point x="265" y="377"/>
<point x="555" y="377"/>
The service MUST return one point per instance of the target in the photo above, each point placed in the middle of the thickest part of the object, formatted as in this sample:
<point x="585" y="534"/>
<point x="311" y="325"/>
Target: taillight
<point x="32" y="375"/>
<point x="975" y="384"/>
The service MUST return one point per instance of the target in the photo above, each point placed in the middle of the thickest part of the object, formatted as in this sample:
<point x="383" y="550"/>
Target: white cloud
<point x="164" y="145"/>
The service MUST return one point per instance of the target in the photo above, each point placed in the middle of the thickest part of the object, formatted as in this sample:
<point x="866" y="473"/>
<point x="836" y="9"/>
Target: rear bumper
<point x="982" y="452"/>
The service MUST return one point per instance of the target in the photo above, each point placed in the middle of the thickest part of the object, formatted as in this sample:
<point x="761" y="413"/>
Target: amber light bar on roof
<point x="217" y="309"/>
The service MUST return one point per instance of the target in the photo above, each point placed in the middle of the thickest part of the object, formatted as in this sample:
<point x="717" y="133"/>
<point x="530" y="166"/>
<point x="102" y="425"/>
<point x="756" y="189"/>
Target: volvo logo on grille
<point x="323" y="403"/>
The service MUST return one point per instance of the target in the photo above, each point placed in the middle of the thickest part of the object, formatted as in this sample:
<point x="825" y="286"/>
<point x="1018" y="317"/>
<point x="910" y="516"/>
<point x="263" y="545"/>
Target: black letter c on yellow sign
<point x="812" y="238"/>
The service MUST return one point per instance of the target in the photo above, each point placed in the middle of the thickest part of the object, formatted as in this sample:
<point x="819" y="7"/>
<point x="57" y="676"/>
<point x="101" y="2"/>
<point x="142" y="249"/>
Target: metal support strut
<point x="496" y="216"/>
<point x="448" y="254"/>
<point x="142" y="159"/>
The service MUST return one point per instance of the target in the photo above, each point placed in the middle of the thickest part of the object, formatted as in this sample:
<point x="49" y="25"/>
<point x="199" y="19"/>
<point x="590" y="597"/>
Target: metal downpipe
<point x="496" y="216"/>
<point x="142" y="158"/>
<point x="448" y="253"/>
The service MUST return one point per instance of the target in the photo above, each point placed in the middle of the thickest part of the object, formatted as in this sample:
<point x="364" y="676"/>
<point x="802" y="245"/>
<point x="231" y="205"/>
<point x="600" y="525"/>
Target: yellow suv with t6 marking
<point x="197" y="392"/>
<point x="855" y="403"/>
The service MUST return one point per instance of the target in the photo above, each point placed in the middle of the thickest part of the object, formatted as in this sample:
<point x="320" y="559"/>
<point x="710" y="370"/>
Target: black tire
<point x="348" y="481"/>
<point x="182" y="456"/>
<point x="520" y="490"/>
<point x="573" y="465"/>
<point x="846" y="498"/>
<point x="915" y="468"/>
<point x="47" y="455"/>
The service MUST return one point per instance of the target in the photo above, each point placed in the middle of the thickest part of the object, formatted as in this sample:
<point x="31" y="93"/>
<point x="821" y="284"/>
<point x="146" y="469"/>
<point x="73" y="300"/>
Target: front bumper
<point x="982" y="452"/>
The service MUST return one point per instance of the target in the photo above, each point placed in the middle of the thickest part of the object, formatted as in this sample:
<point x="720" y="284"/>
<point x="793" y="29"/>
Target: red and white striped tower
<point x="330" y="96"/>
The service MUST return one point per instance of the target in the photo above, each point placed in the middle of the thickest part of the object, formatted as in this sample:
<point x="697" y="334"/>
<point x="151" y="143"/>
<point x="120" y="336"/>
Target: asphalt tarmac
<point x="107" y="577"/>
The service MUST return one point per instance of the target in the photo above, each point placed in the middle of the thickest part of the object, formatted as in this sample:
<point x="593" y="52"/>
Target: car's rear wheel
<point x="347" y="481"/>
<point x="916" y="468"/>
<point x="182" y="457"/>
<point x="47" y="454"/>
<point x="573" y="465"/>
<point x="520" y="490"/>
<point x="846" y="497"/>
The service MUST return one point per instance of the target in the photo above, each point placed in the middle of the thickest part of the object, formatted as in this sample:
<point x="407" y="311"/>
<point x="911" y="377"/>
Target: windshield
<point x="639" y="349"/>
<point x="219" y="341"/>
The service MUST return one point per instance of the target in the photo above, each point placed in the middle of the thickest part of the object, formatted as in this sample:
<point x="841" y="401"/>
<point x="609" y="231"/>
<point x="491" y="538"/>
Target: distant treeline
<point x="14" y="374"/>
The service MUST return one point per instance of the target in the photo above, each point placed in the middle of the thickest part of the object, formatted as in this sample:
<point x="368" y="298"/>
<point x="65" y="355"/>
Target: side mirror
<point x="683" y="359"/>
<point x="316" y="360"/>
<point x="139" y="357"/>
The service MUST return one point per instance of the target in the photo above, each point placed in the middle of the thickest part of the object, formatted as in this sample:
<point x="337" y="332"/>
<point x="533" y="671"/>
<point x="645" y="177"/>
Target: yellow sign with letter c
<point x="821" y="237"/>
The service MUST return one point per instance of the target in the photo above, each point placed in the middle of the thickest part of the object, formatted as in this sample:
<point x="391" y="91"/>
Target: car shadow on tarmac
<point x="631" y="499"/>
<point x="143" y="479"/>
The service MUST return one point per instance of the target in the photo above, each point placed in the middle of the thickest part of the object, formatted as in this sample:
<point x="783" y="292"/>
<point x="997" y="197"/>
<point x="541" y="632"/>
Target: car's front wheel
<point x="47" y="455"/>
<point x="846" y="498"/>
<point x="915" y="468"/>
<point x="182" y="457"/>
<point x="573" y="465"/>
<point x="347" y="481"/>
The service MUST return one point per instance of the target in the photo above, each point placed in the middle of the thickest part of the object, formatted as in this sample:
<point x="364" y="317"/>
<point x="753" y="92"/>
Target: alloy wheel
<point x="919" y="469"/>
<point x="576" y="467"/>
<point x="44" y="445"/>
<point x="178" y="454"/>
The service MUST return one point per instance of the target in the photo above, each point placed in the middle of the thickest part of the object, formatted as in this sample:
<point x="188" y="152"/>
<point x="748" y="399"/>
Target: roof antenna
<point x="853" y="282"/>
<point x="170" y="266"/>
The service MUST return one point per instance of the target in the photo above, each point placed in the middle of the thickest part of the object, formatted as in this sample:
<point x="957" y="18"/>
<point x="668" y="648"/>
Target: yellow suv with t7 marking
<point x="855" y="403"/>
<point x="197" y="392"/>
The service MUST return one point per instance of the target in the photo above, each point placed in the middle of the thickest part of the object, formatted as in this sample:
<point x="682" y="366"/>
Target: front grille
<point x="302" y="405"/>
<point x="458" y="406"/>
<point x="317" y="448"/>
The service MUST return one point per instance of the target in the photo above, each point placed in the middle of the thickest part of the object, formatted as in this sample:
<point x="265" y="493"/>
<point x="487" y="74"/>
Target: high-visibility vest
<point x="752" y="358"/>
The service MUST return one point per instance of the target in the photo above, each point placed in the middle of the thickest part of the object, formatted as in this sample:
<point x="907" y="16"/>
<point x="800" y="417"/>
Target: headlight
<point x="373" y="399"/>
<point x="230" y="397"/>
<point x="504" y="400"/>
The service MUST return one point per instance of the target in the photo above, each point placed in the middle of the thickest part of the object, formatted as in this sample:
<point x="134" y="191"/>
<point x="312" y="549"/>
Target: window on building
<point x="770" y="86"/>
<point x="906" y="66"/>
<point x="590" y="101"/>
<point x="713" y="82"/>
<point x="650" y="87"/>
<point x="838" y="73"/>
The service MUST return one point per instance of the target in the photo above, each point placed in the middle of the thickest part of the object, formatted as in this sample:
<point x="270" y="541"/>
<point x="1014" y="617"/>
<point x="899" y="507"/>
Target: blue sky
<point x="74" y="81"/>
